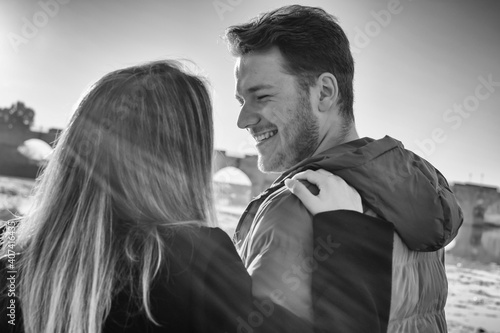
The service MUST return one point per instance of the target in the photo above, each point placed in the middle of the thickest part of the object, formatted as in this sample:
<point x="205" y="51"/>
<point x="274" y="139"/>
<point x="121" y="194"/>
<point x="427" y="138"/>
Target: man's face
<point x="275" y="111"/>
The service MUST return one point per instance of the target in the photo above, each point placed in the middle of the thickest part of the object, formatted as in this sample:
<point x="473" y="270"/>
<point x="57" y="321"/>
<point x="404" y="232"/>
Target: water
<point x="478" y="243"/>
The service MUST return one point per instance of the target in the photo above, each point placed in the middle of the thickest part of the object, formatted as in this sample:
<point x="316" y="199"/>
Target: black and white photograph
<point x="249" y="166"/>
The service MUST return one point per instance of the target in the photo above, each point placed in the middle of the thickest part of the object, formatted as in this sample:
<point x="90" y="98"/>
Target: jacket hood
<point x="398" y="185"/>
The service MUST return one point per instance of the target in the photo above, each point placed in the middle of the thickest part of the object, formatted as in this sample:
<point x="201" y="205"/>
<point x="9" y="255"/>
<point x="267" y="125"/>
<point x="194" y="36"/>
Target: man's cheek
<point x="275" y="114"/>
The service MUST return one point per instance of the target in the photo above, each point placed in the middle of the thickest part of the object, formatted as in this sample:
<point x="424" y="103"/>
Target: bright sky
<point x="422" y="67"/>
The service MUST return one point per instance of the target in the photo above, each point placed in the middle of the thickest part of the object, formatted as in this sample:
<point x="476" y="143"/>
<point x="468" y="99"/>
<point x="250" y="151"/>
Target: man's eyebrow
<point x="259" y="87"/>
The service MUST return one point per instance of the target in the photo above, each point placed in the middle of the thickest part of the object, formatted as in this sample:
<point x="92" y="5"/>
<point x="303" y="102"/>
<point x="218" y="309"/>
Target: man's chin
<point x="268" y="165"/>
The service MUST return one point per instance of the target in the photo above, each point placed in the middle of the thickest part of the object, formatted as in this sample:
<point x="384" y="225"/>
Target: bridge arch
<point x="233" y="188"/>
<point x="248" y="165"/>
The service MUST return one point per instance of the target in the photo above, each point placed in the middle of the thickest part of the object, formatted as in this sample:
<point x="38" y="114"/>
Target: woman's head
<point x="144" y="134"/>
<point x="134" y="161"/>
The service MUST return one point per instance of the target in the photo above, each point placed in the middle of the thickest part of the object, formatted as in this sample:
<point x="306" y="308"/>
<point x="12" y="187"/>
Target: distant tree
<point x="4" y="116"/>
<point x="17" y="116"/>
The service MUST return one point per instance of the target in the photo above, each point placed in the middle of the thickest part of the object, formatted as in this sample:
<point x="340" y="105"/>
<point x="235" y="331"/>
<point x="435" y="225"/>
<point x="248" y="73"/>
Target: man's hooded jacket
<point x="373" y="278"/>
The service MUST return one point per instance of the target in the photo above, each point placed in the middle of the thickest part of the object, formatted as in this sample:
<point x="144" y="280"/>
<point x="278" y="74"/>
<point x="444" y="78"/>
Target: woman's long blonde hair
<point x="133" y="164"/>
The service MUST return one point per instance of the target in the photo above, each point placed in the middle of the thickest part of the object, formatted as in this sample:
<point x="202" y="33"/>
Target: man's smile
<point x="261" y="137"/>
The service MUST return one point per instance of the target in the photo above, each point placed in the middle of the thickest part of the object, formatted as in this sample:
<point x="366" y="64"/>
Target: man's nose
<point x="248" y="117"/>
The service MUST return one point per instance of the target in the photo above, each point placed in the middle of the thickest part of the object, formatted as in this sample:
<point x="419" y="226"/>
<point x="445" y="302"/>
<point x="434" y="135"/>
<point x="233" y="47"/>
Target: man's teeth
<point x="265" y="136"/>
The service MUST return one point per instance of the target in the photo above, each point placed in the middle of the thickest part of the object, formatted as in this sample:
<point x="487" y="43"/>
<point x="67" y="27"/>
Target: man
<point x="294" y="74"/>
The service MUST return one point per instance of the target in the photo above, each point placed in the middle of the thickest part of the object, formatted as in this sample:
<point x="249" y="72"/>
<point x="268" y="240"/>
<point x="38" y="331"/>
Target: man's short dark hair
<point x="311" y="42"/>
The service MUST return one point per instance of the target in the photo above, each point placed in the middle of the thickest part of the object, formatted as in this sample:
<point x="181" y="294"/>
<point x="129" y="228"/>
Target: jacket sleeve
<point x="351" y="286"/>
<point x="278" y="254"/>
<point x="231" y="307"/>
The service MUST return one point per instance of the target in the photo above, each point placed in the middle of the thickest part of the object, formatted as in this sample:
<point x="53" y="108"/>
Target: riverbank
<point x="473" y="296"/>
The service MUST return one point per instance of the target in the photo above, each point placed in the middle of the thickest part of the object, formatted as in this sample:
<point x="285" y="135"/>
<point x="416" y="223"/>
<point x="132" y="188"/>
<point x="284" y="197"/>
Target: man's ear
<point x="328" y="91"/>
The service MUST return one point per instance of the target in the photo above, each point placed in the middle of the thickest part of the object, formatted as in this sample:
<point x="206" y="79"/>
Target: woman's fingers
<point x="313" y="177"/>
<point x="324" y="172"/>
<point x="334" y="192"/>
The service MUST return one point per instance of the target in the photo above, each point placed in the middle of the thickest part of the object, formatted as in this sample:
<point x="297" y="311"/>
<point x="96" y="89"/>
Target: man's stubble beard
<point x="303" y="139"/>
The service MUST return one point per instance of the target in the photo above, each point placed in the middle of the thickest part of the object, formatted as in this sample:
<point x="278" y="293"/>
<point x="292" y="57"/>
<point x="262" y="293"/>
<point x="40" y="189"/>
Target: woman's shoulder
<point x="209" y="239"/>
<point x="202" y="243"/>
<point x="214" y="233"/>
<point x="202" y="232"/>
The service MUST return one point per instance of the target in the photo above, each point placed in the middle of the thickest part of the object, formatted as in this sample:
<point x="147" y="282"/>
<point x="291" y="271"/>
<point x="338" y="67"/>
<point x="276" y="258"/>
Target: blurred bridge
<point x="247" y="164"/>
<point x="479" y="236"/>
<point x="14" y="164"/>
<point x="475" y="200"/>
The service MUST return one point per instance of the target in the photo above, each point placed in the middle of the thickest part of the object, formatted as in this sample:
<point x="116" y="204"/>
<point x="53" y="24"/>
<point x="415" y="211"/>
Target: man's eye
<point x="262" y="97"/>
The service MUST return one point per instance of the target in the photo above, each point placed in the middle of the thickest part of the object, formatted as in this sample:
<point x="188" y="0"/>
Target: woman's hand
<point x="334" y="192"/>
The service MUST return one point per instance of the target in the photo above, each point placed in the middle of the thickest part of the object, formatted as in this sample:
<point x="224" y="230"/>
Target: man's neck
<point x="335" y="140"/>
